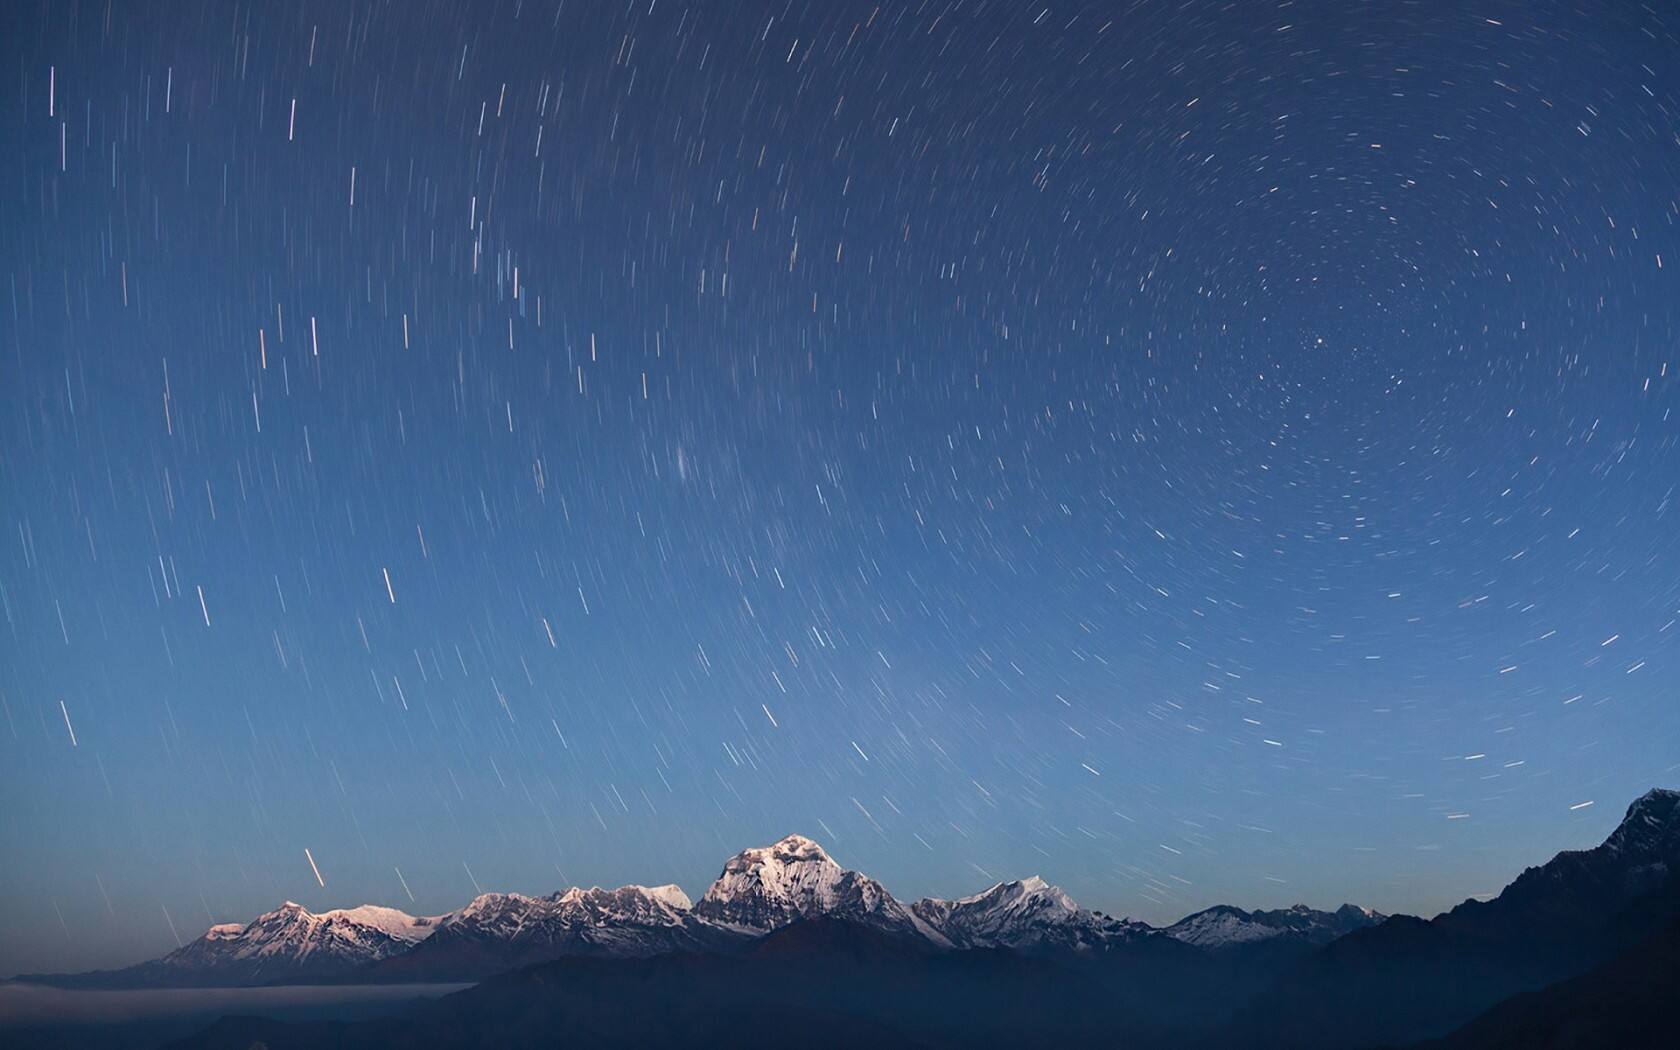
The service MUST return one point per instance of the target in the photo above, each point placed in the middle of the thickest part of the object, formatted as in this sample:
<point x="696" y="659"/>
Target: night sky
<point x="1198" y="452"/>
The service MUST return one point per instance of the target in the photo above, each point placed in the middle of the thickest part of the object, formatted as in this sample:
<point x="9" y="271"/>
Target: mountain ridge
<point x="1023" y="964"/>
<point x="287" y="943"/>
<point x="1226" y="927"/>
<point x="1552" y="922"/>
<point x="763" y="889"/>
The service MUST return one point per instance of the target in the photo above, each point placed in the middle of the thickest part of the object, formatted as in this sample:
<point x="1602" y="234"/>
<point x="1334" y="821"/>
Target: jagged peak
<point x="791" y="857"/>
<point x="1657" y="802"/>
<point x="794" y="879"/>
<point x="789" y="854"/>
<point x="291" y="922"/>
<point x="670" y="895"/>
<point x="1293" y="910"/>
<point x="1031" y="886"/>
<point x="1649" y="818"/>
<point x="487" y="901"/>
<point x="498" y="895"/>
<point x="288" y="911"/>
<point x="796" y="845"/>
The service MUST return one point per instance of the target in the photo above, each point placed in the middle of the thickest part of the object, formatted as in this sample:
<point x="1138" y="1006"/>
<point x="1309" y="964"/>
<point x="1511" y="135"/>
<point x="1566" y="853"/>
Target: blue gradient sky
<point x="1197" y="453"/>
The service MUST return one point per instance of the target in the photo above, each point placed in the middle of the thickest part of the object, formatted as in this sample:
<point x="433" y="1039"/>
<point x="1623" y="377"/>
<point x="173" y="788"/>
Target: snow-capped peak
<point x="1029" y="914"/>
<point x="799" y="842"/>
<point x="491" y="903"/>
<point x="638" y="903"/>
<point x="291" y="941"/>
<point x="1031" y="887"/>
<point x="1223" y="926"/>
<point x="670" y="895"/>
<point x="390" y="921"/>
<point x="767" y="887"/>
<point x="505" y="930"/>
<point x="791" y="848"/>
<point x="292" y="921"/>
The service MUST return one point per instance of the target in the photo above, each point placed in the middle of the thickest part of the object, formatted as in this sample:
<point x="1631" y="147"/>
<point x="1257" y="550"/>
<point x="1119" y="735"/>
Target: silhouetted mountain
<point x="1627" y="1003"/>
<point x="826" y="939"/>
<point x="1408" y="979"/>
<point x="818" y="982"/>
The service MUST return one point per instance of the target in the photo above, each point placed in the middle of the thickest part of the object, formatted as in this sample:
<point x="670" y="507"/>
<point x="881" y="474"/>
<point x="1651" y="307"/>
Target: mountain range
<point x="759" y="890"/>
<point x="285" y="945"/>
<point x="1582" y="951"/>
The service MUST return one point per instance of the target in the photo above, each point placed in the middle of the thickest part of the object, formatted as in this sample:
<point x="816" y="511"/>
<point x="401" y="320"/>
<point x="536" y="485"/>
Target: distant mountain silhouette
<point x="818" y="982"/>
<point x="1269" y="938"/>
<point x="1409" y="979"/>
<point x="1628" y="1003"/>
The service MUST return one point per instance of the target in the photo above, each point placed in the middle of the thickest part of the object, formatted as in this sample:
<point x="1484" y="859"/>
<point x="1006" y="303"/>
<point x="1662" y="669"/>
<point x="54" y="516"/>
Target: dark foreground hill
<point x="1410" y="979"/>
<point x="1629" y="1003"/>
<point x="822" y="982"/>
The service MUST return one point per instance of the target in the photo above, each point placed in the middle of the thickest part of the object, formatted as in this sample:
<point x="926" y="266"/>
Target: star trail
<point x="1195" y="451"/>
